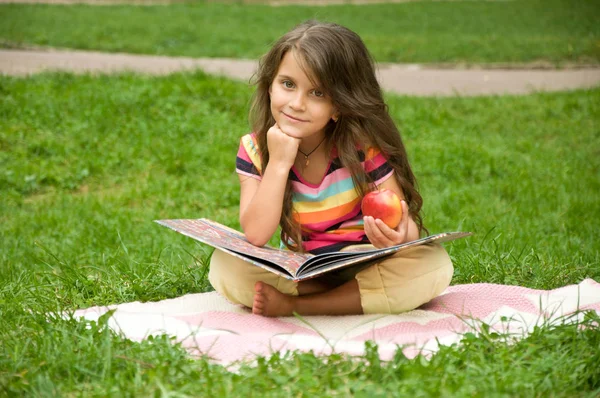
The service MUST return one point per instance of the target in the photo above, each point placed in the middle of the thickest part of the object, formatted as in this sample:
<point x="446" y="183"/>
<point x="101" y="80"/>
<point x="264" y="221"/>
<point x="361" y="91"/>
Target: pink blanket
<point x="207" y="324"/>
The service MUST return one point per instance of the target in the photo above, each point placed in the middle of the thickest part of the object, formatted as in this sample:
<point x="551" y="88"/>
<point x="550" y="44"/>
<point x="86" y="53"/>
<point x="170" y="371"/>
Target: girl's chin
<point x="292" y="131"/>
<point x="296" y="131"/>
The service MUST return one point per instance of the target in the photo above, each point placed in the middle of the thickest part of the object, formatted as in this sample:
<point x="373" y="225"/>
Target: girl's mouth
<point x="293" y="119"/>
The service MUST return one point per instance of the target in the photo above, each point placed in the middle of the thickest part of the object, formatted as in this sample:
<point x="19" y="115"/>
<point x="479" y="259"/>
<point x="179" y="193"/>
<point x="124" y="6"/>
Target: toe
<point x="258" y="287"/>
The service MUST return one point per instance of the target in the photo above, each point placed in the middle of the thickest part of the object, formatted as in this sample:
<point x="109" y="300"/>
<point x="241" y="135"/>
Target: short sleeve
<point x="376" y="166"/>
<point x="247" y="162"/>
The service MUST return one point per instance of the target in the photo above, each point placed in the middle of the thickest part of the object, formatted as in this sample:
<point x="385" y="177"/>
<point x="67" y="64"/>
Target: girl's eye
<point x="318" y="93"/>
<point x="288" y="84"/>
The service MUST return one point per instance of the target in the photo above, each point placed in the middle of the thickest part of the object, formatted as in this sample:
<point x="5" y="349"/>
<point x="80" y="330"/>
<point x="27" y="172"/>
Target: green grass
<point x="87" y="162"/>
<point x="549" y="31"/>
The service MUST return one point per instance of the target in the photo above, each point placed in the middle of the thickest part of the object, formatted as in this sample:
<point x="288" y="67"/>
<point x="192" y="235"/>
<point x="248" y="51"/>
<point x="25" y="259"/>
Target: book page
<point x="220" y="236"/>
<point x="328" y="262"/>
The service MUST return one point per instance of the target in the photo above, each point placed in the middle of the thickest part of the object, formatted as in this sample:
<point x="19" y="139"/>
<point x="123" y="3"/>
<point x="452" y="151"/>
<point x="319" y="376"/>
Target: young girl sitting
<point x="323" y="139"/>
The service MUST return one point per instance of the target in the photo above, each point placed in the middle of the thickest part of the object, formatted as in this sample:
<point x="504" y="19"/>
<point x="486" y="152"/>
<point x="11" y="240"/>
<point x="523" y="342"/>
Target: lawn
<point x="87" y="162"/>
<point x="554" y="32"/>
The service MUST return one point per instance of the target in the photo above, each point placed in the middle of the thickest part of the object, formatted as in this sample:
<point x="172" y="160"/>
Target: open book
<point x="290" y="265"/>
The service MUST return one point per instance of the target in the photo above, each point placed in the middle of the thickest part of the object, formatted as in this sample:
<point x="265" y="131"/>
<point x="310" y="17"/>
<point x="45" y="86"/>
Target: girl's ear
<point x="335" y="117"/>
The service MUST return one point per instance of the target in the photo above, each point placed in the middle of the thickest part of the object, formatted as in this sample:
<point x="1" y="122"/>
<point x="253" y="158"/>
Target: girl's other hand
<point x="380" y="235"/>
<point x="282" y="148"/>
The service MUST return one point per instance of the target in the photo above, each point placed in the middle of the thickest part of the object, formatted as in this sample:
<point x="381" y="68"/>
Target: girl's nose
<point x="297" y="101"/>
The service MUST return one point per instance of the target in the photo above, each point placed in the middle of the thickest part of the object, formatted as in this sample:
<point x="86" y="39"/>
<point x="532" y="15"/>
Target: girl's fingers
<point x="381" y="235"/>
<point x="368" y="221"/>
<point x="375" y="234"/>
<point x="386" y="232"/>
<point x="368" y="227"/>
<point x="282" y="148"/>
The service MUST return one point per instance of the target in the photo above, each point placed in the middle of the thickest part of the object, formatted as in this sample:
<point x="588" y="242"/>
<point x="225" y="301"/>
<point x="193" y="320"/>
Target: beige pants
<point x="395" y="284"/>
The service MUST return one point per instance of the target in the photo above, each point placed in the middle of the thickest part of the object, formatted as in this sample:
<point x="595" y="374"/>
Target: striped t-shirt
<point x="329" y="212"/>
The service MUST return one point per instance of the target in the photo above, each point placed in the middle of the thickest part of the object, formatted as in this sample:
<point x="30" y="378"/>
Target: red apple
<point x="383" y="204"/>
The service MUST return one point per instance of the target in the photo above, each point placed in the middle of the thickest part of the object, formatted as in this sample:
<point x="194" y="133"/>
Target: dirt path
<point x="402" y="79"/>
<point x="267" y="2"/>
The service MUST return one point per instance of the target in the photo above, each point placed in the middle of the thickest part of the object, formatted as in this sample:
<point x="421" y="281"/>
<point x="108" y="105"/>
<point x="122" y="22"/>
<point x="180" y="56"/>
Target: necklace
<point x="306" y="155"/>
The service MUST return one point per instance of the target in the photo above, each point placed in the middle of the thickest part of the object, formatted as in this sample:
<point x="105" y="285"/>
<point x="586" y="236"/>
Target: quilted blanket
<point x="207" y="324"/>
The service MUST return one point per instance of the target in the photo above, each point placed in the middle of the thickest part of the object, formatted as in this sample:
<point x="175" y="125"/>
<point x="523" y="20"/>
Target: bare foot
<point x="269" y="301"/>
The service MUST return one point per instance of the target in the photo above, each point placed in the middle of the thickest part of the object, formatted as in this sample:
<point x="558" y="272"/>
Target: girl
<point x="322" y="139"/>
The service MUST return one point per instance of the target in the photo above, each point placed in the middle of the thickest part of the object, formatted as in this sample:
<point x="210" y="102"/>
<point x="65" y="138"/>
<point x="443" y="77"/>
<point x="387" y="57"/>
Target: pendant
<point x="307" y="161"/>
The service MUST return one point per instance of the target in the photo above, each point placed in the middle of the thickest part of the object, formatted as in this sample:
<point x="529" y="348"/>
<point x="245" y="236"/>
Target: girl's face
<point x="300" y="109"/>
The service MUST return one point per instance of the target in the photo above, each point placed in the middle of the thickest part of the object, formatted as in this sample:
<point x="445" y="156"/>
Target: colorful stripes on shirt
<point x="329" y="212"/>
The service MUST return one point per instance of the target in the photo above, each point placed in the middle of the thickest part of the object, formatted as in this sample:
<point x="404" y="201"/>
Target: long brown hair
<point x="339" y="61"/>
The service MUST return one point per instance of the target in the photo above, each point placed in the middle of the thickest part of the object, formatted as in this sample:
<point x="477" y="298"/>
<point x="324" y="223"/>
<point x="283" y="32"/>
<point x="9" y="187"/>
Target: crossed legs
<point x="396" y="284"/>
